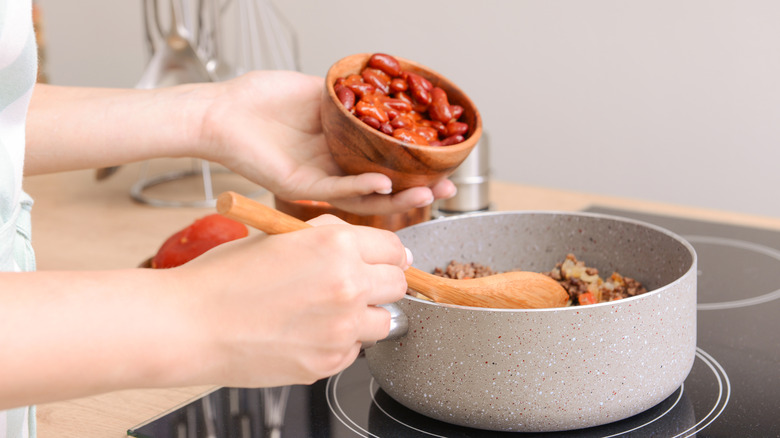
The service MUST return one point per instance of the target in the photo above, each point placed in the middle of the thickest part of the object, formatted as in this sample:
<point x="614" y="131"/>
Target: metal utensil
<point x="176" y="61"/>
<point x="472" y="178"/>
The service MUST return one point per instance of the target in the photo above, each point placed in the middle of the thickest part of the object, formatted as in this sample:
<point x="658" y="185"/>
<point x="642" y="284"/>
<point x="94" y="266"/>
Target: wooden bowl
<point x="358" y="148"/>
<point x="305" y="210"/>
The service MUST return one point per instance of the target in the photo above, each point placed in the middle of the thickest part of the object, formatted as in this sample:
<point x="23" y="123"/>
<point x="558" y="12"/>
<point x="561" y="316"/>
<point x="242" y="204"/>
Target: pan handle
<point x="399" y="324"/>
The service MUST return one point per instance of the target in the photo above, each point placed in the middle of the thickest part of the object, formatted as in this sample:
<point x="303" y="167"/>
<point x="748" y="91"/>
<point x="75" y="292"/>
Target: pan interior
<point x="536" y="241"/>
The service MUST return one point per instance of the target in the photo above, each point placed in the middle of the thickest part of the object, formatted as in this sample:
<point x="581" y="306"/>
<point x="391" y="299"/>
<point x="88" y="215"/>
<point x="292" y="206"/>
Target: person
<point x="259" y="311"/>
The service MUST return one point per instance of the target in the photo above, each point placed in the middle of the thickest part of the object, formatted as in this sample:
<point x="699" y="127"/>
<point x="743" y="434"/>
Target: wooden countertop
<point x="79" y="223"/>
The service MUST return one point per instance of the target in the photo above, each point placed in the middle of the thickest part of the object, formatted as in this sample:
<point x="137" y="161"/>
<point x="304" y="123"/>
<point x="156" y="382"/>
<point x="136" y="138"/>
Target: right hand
<point x="291" y="308"/>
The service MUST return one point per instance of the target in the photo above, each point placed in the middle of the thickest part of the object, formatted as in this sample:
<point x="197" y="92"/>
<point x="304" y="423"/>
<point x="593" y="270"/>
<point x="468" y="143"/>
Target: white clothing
<point x="18" y="66"/>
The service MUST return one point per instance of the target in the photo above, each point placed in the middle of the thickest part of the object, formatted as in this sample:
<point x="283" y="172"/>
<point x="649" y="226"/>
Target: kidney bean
<point x="397" y="104"/>
<point x="401" y="103"/>
<point x="374" y="98"/>
<point x="346" y="96"/>
<point x="416" y="107"/>
<point x="423" y="81"/>
<point x="440" y="127"/>
<point x="387" y="128"/>
<point x="409" y="136"/>
<point x="418" y="89"/>
<point x="457" y="111"/>
<point x="426" y="132"/>
<point x="402" y="121"/>
<point x="358" y="85"/>
<point x="377" y="78"/>
<point x="351" y="80"/>
<point x="391" y="113"/>
<point x="440" y="107"/>
<point x="402" y="95"/>
<point x="371" y="121"/>
<point x="362" y="89"/>
<point x="398" y="84"/>
<point x="455" y="139"/>
<point x="456" y="128"/>
<point x="367" y="109"/>
<point x="386" y="63"/>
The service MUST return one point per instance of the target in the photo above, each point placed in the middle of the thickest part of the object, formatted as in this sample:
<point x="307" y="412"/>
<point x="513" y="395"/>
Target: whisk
<point x="275" y="402"/>
<point x="265" y="40"/>
<point x="268" y="41"/>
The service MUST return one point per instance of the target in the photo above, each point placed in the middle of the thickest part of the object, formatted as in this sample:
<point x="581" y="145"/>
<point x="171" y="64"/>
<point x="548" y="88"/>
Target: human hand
<point x="266" y="126"/>
<point x="292" y="308"/>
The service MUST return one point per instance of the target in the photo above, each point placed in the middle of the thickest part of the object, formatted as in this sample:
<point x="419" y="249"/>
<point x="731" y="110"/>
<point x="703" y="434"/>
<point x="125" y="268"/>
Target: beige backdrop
<point x="677" y="101"/>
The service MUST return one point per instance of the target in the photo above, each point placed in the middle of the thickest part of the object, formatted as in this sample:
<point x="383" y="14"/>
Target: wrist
<point x="176" y="332"/>
<point x="190" y="133"/>
<point x="203" y="120"/>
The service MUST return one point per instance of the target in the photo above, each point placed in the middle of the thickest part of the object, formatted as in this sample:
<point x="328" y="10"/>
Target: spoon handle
<point x="257" y="215"/>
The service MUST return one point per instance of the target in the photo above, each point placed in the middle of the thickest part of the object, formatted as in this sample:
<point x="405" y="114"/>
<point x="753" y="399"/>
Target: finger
<point x="406" y="200"/>
<point x="376" y="324"/>
<point x="326" y="219"/>
<point x="388" y="285"/>
<point x="351" y="186"/>
<point x="444" y="189"/>
<point x="380" y="247"/>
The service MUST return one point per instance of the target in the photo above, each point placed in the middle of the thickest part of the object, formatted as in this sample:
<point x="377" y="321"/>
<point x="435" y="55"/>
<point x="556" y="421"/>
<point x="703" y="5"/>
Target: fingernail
<point x="386" y="191"/>
<point x="427" y="202"/>
<point x="409" y="257"/>
<point x="454" y="192"/>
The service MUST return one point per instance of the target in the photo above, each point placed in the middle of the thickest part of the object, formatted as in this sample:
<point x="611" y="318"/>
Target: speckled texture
<point x="550" y="369"/>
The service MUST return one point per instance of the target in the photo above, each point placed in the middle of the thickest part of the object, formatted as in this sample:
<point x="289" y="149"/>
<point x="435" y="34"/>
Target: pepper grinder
<point x="472" y="178"/>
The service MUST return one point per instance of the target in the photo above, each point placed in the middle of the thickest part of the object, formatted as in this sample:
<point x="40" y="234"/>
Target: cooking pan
<point x="544" y="369"/>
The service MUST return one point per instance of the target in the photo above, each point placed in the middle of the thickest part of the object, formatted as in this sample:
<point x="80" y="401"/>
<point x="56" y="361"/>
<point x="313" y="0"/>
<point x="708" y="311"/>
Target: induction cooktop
<point x="733" y="388"/>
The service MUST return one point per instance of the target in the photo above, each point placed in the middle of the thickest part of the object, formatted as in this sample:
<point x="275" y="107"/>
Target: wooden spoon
<point x="510" y="290"/>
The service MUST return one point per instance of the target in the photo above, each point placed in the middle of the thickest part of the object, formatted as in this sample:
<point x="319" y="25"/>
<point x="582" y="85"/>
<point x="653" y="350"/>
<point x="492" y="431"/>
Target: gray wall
<point x="667" y="100"/>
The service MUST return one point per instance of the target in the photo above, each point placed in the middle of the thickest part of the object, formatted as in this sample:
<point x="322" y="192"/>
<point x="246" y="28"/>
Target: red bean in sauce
<point x="401" y="104"/>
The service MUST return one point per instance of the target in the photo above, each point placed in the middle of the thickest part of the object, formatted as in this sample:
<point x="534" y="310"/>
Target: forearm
<point x="71" y="128"/>
<point x="71" y="334"/>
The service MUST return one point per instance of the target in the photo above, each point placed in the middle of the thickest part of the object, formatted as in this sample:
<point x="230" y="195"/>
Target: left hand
<point x="265" y="125"/>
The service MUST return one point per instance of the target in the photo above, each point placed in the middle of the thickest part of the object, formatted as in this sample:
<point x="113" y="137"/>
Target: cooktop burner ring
<point x="744" y="245"/>
<point x="722" y="378"/>
<point x="720" y="401"/>
<point x="373" y="386"/>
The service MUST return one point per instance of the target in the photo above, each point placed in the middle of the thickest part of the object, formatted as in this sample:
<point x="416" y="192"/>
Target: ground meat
<point x="581" y="282"/>
<point x="462" y="271"/>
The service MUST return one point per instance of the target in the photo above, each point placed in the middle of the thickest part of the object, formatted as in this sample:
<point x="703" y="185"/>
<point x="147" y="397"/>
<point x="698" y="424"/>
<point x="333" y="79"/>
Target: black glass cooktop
<point x="732" y="390"/>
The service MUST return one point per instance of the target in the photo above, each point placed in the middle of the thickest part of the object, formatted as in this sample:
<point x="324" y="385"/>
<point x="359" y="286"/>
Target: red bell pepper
<point x="586" y="298"/>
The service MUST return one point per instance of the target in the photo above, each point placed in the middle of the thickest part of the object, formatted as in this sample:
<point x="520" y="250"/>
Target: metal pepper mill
<point x="472" y="178"/>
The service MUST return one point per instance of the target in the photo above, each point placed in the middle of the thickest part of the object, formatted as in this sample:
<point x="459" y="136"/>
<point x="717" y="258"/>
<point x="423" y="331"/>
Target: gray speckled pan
<point x="546" y="369"/>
